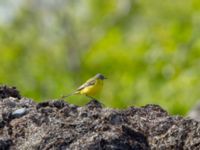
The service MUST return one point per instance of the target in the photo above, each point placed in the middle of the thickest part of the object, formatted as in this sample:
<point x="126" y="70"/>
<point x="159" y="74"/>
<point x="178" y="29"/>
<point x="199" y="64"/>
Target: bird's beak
<point x="105" y="78"/>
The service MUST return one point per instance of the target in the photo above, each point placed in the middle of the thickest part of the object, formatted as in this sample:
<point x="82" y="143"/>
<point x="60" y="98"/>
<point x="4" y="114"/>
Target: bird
<point x="91" y="87"/>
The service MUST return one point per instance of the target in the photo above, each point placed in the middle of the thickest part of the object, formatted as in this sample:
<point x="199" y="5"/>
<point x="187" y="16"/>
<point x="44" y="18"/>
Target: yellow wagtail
<point x="91" y="87"/>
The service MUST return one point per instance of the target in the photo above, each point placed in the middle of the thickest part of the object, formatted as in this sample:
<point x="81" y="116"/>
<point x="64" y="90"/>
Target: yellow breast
<point x="93" y="89"/>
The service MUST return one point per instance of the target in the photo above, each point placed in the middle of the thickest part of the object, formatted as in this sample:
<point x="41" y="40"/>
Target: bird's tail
<point x="65" y="96"/>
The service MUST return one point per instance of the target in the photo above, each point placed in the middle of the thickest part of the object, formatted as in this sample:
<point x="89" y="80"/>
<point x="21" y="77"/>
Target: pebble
<point x="19" y="112"/>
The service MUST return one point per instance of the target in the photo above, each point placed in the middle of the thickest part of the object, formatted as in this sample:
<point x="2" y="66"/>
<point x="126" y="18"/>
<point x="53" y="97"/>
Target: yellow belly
<point x="93" y="89"/>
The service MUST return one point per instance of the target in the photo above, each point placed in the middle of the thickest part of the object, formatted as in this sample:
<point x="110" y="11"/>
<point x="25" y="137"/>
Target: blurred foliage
<point x="149" y="50"/>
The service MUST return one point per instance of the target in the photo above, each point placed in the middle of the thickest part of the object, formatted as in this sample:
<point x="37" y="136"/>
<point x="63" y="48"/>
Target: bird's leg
<point x="65" y="96"/>
<point x="92" y="98"/>
<point x="94" y="101"/>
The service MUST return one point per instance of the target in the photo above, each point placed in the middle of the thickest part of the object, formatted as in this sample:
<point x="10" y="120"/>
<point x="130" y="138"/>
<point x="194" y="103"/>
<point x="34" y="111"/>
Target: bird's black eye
<point x="102" y="77"/>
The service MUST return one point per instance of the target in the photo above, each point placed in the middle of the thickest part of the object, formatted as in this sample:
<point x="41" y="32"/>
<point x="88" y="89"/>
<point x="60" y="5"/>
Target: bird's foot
<point x="92" y="98"/>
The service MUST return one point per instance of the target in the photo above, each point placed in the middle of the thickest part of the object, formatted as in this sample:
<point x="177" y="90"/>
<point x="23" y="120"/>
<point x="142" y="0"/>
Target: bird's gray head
<point x="100" y="76"/>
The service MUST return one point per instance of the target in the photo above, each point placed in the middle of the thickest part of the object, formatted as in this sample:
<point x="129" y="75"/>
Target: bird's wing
<point x="86" y="84"/>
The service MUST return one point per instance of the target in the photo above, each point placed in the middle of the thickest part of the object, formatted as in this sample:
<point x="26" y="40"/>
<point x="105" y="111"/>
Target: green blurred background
<point x="149" y="50"/>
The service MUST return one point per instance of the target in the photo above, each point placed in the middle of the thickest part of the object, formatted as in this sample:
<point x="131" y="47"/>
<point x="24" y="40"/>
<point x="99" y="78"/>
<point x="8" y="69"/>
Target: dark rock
<point x="42" y="104"/>
<point x="7" y="116"/>
<point x="59" y="104"/>
<point x="5" y="144"/>
<point x="2" y="123"/>
<point x="60" y="125"/>
<point x="9" y="92"/>
<point x="94" y="104"/>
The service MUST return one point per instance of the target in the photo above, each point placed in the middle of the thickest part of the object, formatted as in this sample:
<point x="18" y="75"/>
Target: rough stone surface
<point x="58" y="125"/>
